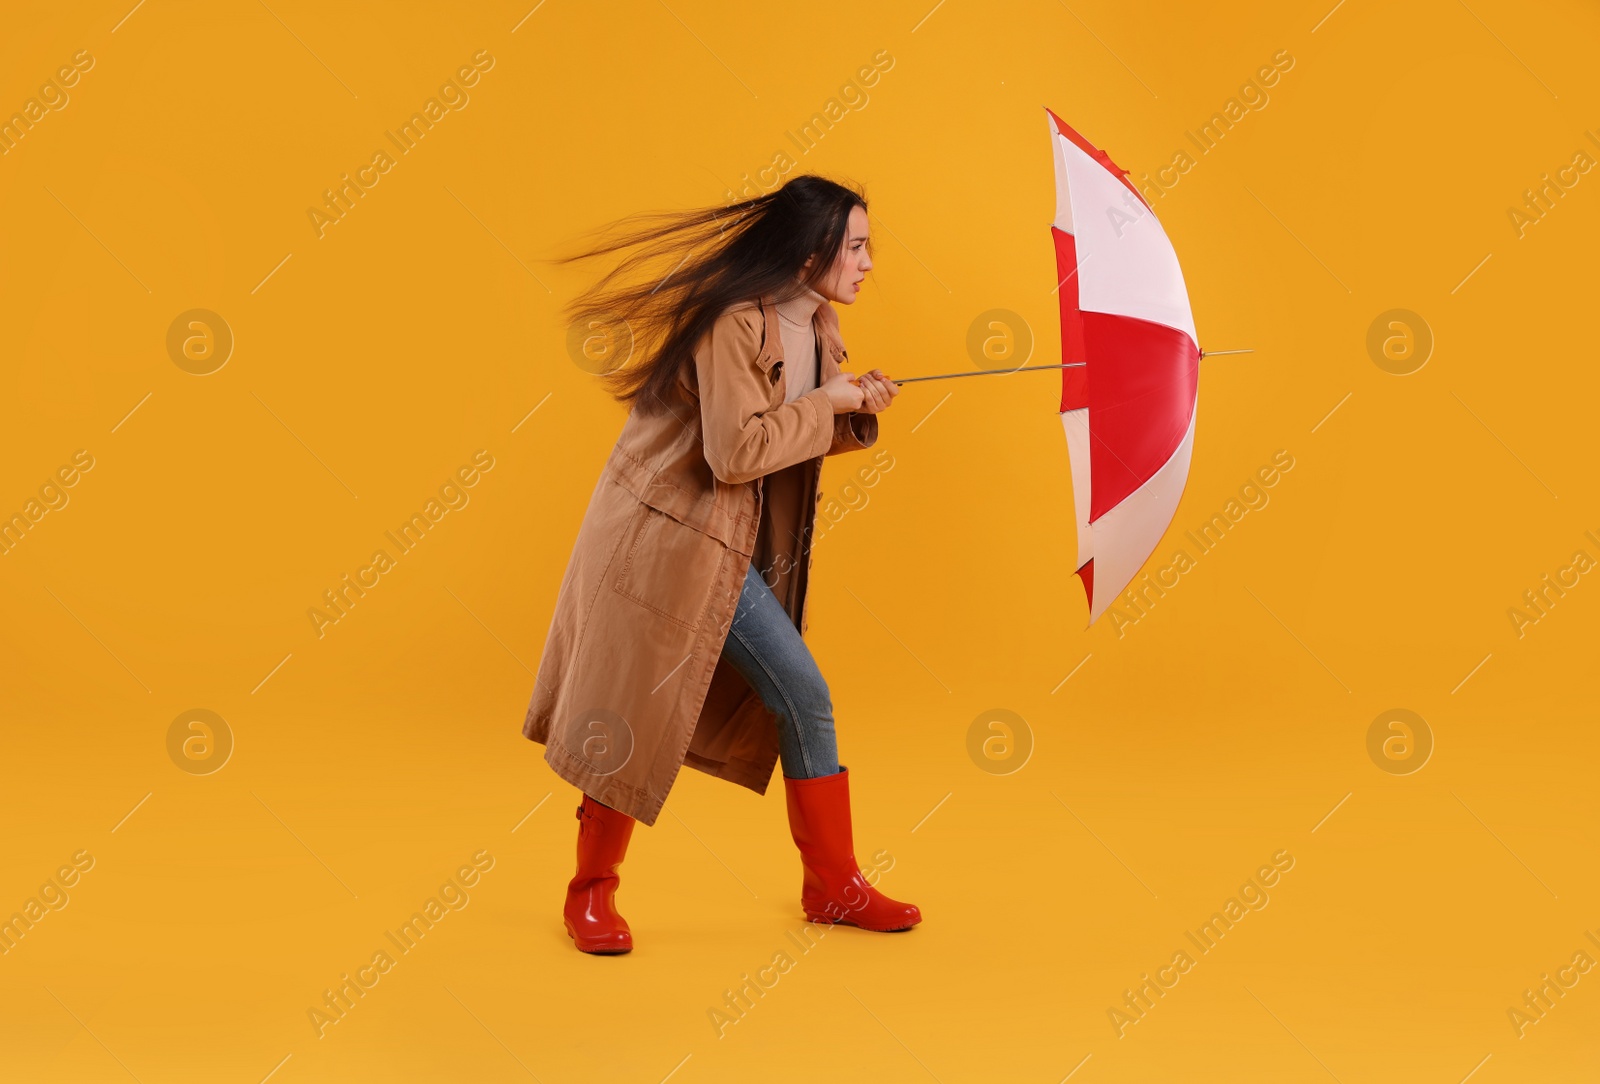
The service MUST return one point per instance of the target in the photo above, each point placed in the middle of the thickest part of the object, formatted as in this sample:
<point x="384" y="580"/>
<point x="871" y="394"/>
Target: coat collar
<point x="825" y="320"/>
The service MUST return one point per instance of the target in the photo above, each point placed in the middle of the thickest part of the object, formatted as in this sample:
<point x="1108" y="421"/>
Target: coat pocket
<point x="670" y="568"/>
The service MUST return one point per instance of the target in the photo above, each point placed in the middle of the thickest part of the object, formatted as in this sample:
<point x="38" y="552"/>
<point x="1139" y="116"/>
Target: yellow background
<point x="1224" y="726"/>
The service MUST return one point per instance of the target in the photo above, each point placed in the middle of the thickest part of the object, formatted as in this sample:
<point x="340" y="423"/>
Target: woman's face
<point x="843" y="281"/>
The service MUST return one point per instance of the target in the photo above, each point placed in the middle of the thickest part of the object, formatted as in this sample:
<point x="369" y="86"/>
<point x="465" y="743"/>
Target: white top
<point x="802" y="348"/>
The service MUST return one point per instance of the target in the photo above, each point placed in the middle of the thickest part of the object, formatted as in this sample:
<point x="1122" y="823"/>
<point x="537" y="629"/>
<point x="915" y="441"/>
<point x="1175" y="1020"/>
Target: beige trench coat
<point x="631" y="683"/>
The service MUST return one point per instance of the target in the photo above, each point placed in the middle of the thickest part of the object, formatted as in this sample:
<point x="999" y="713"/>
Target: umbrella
<point x="1129" y="409"/>
<point x="1130" y="368"/>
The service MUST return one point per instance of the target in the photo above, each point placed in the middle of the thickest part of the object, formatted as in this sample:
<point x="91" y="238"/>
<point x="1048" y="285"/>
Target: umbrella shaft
<point x="1027" y="368"/>
<point x="986" y="372"/>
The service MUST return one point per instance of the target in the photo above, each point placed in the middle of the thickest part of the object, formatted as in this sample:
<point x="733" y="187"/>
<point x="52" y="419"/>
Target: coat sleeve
<point x="743" y="439"/>
<point x="853" y="431"/>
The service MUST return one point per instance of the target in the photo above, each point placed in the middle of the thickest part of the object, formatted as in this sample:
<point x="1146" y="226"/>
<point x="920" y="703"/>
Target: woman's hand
<point x="843" y="392"/>
<point x="877" y="391"/>
<point x="871" y="392"/>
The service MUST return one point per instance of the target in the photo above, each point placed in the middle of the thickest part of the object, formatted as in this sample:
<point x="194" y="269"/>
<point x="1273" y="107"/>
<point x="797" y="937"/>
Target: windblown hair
<point x="683" y="268"/>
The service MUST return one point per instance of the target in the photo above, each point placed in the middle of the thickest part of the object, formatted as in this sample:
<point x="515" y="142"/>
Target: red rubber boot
<point x="834" y="889"/>
<point x="590" y="912"/>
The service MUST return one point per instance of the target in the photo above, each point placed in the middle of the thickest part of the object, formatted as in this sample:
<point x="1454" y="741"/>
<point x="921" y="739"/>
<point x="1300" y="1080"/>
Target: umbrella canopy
<point x="1128" y="399"/>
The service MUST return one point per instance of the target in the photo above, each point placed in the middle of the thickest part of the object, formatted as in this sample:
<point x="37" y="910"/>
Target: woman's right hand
<point x="843" y="393"/>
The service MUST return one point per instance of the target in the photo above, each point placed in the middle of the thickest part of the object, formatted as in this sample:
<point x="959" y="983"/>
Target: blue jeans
<point x="765" y="647"/>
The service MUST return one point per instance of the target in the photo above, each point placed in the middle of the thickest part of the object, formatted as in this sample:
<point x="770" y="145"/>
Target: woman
<point x="677" y="632"/>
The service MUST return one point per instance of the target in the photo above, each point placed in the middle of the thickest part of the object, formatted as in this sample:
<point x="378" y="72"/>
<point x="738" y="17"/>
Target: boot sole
<point x="833" y="921"/>
<point x="599" y="951"/>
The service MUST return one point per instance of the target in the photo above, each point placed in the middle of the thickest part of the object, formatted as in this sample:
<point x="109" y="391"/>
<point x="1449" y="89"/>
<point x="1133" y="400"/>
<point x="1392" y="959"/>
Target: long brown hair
<point x="691" y="265"/>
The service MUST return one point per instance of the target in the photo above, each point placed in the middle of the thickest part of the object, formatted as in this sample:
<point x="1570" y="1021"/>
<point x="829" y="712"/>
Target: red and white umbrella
<point x="1131" y="365"/>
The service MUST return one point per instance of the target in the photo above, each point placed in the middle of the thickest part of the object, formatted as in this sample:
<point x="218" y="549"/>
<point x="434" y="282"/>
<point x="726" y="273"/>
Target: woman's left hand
<point x="877" y="391"/>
